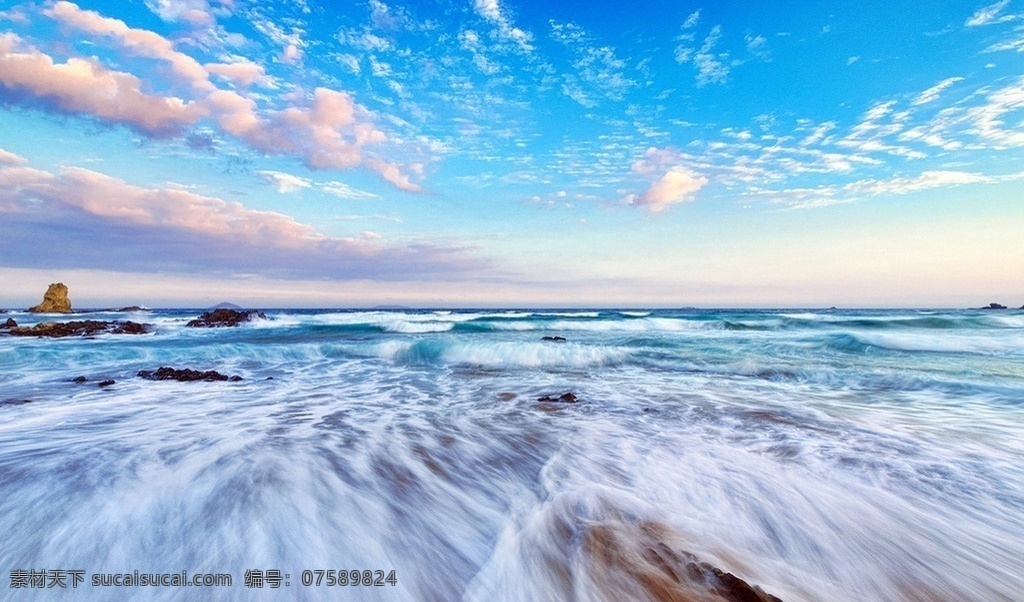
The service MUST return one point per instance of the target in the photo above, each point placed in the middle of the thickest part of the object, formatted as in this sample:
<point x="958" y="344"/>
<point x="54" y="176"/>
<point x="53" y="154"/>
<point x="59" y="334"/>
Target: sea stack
<point x="55" y="301"/>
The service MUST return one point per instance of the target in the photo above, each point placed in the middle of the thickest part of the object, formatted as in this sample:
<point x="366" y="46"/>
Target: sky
<point x="501" y="153"/>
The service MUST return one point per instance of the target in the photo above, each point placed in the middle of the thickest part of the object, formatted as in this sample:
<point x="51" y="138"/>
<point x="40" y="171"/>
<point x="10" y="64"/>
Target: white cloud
<point x="342" y="190"/>
<point x="691" y="20"/>
<point x="822" y="196"/>
<point x="284" y="182"/>
<point x="989" y="14"/>
<point x="758" y="46"/>
<point x="493" y="12"/>
<point x="712" y="67"/>
<point x="932" y="93"/>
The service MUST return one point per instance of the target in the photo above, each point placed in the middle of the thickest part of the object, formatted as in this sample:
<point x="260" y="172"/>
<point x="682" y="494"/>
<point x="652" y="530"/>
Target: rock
<point x="507" y="396"/>
<point x="106" y="383"/>
<point x="624" y="556"/>
<point x="185" y="375"/>
<point x="563" y="398"/>
<point x="131" y="308"/>
<point x="10" y="323"/>
<point x="993" y="306"/>
<point x="80" y="328"/>
<point x="15" y="402"/>
<point x="79" y="379"/>
<point x="225" y="317"/>
<point x="554" y="338"/>
<point x="55" y="301"/>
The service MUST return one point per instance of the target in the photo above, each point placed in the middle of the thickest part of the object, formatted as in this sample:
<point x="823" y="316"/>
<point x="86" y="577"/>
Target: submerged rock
<point x="14" y="402"/>
<point x="226" y="317"/>
<point x="627" y="558"/>
<point x="107" y="383"/>
<point x="567" y="397"/>
<point x="552" y="338"/>
<point x="185" y="375"/>
<point x="55" y="300"/>
<point x="79" y="328"/>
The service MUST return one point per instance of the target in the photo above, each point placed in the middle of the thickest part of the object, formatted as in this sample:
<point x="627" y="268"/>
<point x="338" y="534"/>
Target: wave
<point x="921" y="342"/>
<point x="501" y="355"/>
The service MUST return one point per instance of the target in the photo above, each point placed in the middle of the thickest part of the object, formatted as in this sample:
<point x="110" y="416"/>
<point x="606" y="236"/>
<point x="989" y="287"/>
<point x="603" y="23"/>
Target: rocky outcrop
<point x="10" y="323"/>
<point x="79" y="328"/>
<point x="185" y="375"/>
<point x="226" y="317"/>
<point x="993" y="306"/>
<point x="567" y="397"/>
<point x="55" y="300"/>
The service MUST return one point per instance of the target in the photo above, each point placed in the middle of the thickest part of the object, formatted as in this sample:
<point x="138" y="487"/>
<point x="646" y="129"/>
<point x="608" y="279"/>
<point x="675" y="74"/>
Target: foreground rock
<point x="226" y="317"/>
<point x="55" y="301"/>
<point x="80" y="328"/>
<point x="10" y="323"/>
<point x="185" y="375"/>
<point x="643" y="560"/>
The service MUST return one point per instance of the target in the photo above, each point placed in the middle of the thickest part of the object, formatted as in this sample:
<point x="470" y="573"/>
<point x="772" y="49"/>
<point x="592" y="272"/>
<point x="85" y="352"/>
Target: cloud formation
<point x="82" y="218"/>
<point x="326" y="128"/>
<point x="84" y="87"/>
<point x="674" y="182"/>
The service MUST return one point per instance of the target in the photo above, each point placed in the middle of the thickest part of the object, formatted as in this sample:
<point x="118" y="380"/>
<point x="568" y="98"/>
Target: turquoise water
<point x="822" y="455"/>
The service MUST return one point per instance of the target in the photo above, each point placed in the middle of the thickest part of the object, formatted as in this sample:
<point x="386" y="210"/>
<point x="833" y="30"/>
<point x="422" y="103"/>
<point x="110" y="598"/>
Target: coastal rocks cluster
<point x="76" y="328"/>
<point x="997" y="306"/>
<point x="225" y="317"/>
<point x="185" y="375"/>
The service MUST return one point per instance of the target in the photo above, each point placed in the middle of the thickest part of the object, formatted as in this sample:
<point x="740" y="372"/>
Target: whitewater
<point x="818" y="455"/>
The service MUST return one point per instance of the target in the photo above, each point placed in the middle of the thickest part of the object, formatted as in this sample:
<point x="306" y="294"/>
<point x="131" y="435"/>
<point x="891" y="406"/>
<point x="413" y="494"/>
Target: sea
<point x="817" y="455"/>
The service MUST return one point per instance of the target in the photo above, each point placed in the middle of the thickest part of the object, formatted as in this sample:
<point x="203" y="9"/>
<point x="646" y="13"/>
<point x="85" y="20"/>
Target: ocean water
<point x="819" y="455"/>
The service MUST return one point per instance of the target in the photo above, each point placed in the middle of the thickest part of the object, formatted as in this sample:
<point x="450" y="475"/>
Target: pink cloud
<point x="675" y="183"/>
<point x="9" y="158"/>
<point x="241" y="73"/>
<point x="88" y="219"/>
<point x="139" y="42"/>
<point x="328" y="131"/>
<point x="85" y="86"/>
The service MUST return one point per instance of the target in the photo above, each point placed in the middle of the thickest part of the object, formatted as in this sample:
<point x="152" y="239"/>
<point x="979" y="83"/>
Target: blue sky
<point x="488" y="152"/>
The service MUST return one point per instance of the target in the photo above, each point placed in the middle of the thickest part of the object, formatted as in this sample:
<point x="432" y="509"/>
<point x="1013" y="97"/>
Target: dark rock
<point x="131" y="308"/>
<point x="993" y="306"/>
<point x="80" y="328"/>
<point x="79" y="379"/>
<point x="10" y="323"/>
<point x="225" y="317"/>
<point x="106" y="383"/>
<point x="507" y="396"/>
<point x="554" y="338"/>
<point x="15" y="402"/>
<point x="55" y="300"/>
<point x="563" y="398"/>
<point x="185" y="375"/>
